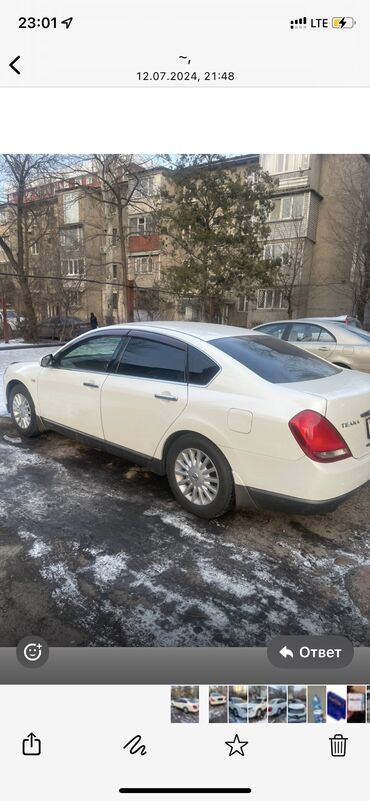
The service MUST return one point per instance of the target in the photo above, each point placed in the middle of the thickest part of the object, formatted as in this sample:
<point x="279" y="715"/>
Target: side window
<point x="150" y="358"/>
<point x="326" y="336"/>
<point x="275" y="329"/>
<point x="301" y="332"/>
<point x="94" y="354"/>
<point x="201" y="369"/>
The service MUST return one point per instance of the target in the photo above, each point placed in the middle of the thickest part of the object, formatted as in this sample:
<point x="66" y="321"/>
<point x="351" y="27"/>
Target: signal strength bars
<point x="298" y="23"/>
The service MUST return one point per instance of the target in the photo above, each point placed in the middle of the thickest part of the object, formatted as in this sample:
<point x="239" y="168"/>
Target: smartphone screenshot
<point x="184" y="400"/>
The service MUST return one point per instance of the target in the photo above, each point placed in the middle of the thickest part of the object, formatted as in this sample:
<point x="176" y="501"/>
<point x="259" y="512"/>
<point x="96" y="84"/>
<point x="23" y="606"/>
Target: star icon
<point x="236" y="746"/>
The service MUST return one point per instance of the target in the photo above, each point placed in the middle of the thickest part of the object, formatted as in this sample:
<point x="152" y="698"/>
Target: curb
<point x="35" y="345"/>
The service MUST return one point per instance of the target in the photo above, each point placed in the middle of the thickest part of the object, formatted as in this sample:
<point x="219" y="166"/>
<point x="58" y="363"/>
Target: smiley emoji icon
<point x="33" y="651"/>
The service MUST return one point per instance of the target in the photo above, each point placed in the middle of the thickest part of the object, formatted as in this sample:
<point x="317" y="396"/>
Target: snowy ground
<point x="94" y="552"/>
<point x="15" y="354"/>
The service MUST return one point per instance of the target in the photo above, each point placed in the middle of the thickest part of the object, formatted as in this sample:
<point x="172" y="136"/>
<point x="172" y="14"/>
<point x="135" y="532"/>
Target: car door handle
<point x="90" y="384"/>
<point x="168" y="397"/>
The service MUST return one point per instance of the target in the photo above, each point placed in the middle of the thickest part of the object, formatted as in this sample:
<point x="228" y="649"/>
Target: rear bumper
<point x="251" y="498"/>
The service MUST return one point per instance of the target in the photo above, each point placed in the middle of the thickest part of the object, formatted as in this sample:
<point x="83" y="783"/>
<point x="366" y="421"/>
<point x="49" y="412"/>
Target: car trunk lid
<point x="347" y="398"/>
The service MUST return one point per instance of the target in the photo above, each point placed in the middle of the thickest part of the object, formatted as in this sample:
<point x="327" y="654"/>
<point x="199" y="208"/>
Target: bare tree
<point x="24" y="185"/>
<point x="349" y="226"/>
<point x="289" y="257"/>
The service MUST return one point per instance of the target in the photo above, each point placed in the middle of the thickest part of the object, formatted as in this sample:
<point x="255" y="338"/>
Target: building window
<point x="74" y="267"/>
<point x="276" y="250"/>
<point x="145" y="187"/>
<point x="271" y="299"/>
<point x="242" y="303"/>
<point x="71" y="237"/>
<point x="114" y="271"/>
<point x="70" y="208"/>
<point x="115" y="301"/>
<point x="35" y="249"/>
<point x="114" y="237"/>
<point x="289" y="207"/>
<point x="285" y="162"/>
<point x="141" y="225"/>
<point x="143" y="265"/>
<point x="75" y="299"/>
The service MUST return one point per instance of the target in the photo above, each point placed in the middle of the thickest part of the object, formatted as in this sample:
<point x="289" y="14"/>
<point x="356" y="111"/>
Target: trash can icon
<point x="338" y="745"/>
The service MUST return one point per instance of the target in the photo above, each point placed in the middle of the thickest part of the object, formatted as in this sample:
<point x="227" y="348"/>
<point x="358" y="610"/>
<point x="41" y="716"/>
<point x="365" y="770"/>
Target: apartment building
<point x="314" y="226"/>
<point x="312" y="233"/>
<point x="76" y="237"/>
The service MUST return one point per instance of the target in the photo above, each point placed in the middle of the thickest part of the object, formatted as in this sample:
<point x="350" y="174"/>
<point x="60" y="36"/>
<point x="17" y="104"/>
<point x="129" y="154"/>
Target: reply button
<point x="308" y="651"/>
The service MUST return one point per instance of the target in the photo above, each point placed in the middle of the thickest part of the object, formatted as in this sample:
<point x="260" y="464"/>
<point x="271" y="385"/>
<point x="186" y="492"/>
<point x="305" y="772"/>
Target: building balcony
<point x="142" y="243"/>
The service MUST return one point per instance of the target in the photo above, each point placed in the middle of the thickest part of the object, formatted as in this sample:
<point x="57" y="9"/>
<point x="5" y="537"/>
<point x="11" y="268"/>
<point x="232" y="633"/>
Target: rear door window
<point x="152" y="358"/>
<point x="275" y="360"/>
<point x="276" y="329"/>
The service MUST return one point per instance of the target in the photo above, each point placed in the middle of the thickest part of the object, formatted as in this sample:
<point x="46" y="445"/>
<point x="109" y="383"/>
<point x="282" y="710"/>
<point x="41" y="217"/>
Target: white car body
<point x="296" y="712"/>
<point x="216" y="699"/>
<point x="256" y="709"/>
<point x="277" y="706"/>
<point x="244" y="415"/>
<point x="186" y="705"/>
<point x="238" y="707"/>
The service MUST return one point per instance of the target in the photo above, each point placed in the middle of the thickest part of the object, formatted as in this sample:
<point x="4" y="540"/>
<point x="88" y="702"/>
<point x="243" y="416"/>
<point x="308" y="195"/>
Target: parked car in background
<point x="257" y="708"/>
<point x="342" y="345"/>
<point x="343" y="319"/>
<point x="296" y="712"/>
<point x="234" y="418"/>
<point x="277" y="706"/>
<point x="14" y="321"/>
<point x="238" y="706"/>
<point x="217" y="698"/>
<point x="62" y="328"/>
<point x="186" y="704"/>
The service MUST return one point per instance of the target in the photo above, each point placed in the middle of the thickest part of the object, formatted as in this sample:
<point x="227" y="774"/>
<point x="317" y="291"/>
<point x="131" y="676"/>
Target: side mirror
<point x="47" y="361"/>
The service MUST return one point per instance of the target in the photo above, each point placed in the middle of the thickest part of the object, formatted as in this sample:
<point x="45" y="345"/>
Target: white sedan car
<point x="232" y="417"/>
<point x="277" y="707"/>
<point x="186" y="704"/>
<point x="239" y="707"/>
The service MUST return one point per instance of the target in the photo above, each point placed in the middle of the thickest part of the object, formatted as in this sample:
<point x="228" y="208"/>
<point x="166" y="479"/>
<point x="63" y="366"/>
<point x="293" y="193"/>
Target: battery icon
<point x="343" y="22"/>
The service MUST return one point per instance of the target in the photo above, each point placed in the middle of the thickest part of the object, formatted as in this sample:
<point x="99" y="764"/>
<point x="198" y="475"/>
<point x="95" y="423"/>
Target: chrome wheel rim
<point x="196" y="476"/>
<point x="21" y="411"/>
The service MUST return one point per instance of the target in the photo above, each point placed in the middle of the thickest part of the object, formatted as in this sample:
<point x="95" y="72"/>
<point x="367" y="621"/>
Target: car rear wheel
<point x="22" y="410"/>
<point x="199" y="476"/>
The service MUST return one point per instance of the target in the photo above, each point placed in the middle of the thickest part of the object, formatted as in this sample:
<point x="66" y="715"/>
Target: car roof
<point x="203" y="331"/>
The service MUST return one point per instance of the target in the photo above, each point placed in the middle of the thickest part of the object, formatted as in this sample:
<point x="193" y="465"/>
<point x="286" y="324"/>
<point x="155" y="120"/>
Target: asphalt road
<point x="96" y="552"/>
<point x="178" y="716"/>
<point x="218" y="713"/>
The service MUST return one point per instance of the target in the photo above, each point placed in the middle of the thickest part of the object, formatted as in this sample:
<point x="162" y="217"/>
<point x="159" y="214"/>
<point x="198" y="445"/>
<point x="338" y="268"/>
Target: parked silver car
<point x="340" y="344"/>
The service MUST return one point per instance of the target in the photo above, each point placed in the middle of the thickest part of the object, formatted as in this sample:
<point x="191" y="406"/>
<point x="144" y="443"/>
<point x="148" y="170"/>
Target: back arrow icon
<point x="11" y="65"/>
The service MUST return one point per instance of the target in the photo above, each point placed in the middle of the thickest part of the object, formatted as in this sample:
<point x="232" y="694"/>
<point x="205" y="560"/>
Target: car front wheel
<point x="22" y="410"/>
<point x="199" y="476"/>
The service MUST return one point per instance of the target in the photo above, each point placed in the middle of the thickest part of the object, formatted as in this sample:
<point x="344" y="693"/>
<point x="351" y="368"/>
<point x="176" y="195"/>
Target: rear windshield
<point x="275" y="360"/>
<point x="362" y="334"/>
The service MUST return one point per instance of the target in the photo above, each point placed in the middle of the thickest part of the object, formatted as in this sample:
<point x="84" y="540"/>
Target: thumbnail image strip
<point x="356" y="703"/>
<point x="185" y="703"/>
<point x="277" y="703"/>
<point x="238" y="703"/>
<point x="316" y="704"/>
<point x="297" y="703"/>
<point x="217" y="703"/>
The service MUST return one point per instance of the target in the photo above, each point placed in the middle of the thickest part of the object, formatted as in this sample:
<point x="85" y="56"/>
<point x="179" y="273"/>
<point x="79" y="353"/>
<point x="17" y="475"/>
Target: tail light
<point x="269" y="708"/>
<point x="318" y="438"/>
